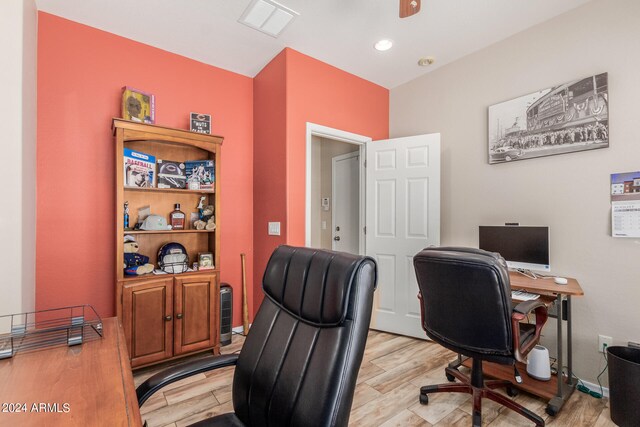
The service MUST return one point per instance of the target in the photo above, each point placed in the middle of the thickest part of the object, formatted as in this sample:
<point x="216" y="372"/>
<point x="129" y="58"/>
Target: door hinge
<point x="121" y="298"/>
<point x="364" y="229"/>
<point x="365" y="163"/>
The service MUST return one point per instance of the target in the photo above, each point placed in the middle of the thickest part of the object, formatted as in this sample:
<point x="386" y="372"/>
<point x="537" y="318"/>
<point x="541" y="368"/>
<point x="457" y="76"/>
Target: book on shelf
<point x="138" y="106"/>
<point x="139" y="169"/>
<point x="171" y="174"/>
<point x="201" y="172"/>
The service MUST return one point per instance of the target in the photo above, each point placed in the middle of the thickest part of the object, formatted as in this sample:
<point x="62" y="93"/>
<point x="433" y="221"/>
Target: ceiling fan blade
<point x="409" y="7"/>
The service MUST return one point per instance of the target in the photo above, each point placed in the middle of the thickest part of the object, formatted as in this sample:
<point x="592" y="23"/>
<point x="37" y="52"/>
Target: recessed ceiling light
<point x="383" y="45"/>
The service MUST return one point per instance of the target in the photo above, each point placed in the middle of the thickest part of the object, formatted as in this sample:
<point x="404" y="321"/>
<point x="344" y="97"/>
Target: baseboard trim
<point x="596" y="388"/>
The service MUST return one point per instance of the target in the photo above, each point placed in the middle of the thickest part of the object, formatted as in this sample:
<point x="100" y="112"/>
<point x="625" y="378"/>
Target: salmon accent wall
<point x="325" y="95"/>
<point x="81" y="71"/>
<point x="269" y="164"/>
<point x="314" y="92"/>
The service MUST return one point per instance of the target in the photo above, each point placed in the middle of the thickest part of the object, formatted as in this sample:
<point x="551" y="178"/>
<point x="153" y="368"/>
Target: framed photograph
<point x="138" y="106"/>
<point x="201" y="123"/>
<point x="563" y="119"/>
<point x="205" y="261"/>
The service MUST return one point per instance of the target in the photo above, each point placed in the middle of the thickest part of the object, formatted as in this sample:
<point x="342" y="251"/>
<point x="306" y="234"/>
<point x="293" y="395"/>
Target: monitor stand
<point x="528" y="273"/>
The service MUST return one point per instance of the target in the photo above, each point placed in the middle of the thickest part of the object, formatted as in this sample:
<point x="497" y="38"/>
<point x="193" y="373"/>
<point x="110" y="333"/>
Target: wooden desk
<point x="94" y="380"/>
<point x="556" y="392"/>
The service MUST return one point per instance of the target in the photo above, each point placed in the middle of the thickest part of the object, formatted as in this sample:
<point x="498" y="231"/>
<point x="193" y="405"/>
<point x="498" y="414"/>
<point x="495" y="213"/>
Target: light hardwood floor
<point x="393" y="369"/>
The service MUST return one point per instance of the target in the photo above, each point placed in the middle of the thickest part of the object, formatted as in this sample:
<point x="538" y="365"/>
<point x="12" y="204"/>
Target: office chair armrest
<point x="182" y="371"/>
<point x="525" y="307"/>
<point x="520" y="313"/>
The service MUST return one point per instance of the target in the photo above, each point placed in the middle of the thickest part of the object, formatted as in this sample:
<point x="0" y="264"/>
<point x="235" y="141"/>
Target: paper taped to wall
<point x="625" y="218"/>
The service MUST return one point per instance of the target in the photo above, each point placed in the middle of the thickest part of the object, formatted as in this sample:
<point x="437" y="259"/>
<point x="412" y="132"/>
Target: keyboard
<point x="523" y="296"/>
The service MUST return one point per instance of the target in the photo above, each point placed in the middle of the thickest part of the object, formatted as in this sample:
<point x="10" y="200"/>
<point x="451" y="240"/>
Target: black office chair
<point x="300" y="360"/>
<point x="465" y="300"/>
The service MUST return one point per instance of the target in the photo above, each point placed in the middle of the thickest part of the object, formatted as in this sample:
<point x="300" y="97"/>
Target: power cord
<point x="584" y="389"/>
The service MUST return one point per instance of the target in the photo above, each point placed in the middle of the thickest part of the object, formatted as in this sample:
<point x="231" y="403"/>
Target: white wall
<point x="18" y="33"/>
<point x="569" y="192"/>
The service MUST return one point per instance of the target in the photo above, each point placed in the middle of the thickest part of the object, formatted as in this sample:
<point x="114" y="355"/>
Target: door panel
<point x="147" y="318"/>
<point x="196" y="308"/>
<point x="403" y="212"/>
<point x="385" y="213"/>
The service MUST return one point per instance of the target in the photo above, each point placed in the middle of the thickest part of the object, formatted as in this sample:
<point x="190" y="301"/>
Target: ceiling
<point x="339" y="32"/>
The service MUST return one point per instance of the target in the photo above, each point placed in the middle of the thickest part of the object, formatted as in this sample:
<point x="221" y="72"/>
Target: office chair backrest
<point x="466" y="301"/>
<point x="301" y="358"/>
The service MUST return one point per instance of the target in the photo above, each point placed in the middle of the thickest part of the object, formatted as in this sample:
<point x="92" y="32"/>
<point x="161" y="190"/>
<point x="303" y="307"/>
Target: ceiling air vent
<point x="267" y="16"/>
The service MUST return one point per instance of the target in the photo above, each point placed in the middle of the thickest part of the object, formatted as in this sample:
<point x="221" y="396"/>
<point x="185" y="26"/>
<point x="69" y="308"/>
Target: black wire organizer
<point x="35" y="330"/>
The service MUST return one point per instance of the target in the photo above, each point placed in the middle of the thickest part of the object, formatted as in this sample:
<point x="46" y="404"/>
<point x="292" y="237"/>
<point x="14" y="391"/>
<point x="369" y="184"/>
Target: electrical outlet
<point x="604" y="342"/>
<point x="634" y="344"/>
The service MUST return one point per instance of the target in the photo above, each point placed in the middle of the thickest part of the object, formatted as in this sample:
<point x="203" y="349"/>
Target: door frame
<point x="314" y="129"/>
<point x="334" y="160"/>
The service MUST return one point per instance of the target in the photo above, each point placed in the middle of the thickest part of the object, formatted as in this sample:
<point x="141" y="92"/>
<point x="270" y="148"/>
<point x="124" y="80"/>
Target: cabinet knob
<point x="179" y="316"/>
<point x="168" y="318"/>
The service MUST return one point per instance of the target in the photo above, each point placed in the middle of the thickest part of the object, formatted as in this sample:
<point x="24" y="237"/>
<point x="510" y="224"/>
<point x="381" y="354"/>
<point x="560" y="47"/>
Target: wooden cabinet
<point x="147" y="317"/>
<point x="196" y="309"/>
<point x="168" y="315"/>
<point x="163" y="318"/>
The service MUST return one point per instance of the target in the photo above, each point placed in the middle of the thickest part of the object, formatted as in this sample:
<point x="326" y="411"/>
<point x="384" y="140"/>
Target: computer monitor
<point x="523" y="247"/>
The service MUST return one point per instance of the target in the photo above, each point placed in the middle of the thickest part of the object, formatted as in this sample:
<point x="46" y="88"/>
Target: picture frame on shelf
<point x="205" y="261"/>
<point x="200" y="123"/>
<point x="138" y="106"/>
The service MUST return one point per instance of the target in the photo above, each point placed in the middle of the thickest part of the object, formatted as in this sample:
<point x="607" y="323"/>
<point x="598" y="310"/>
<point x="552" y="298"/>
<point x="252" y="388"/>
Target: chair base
<point x="479" y="389"/>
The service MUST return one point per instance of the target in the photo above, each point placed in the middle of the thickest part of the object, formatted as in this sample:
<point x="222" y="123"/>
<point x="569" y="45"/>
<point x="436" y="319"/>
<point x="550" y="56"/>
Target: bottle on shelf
<point x="177" y="218"/>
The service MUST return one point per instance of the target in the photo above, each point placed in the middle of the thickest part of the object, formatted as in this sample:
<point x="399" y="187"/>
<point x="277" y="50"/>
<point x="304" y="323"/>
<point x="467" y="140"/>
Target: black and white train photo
<point x="570" y="117"/>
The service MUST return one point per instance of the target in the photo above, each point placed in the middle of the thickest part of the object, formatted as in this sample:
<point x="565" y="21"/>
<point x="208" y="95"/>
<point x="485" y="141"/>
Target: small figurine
<point x="126" y="215"/>
<point x="207" y="220"/>
<point x="200" y="208"/>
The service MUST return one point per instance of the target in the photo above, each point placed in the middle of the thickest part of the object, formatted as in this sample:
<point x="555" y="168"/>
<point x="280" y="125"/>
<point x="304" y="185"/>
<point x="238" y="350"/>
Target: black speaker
<point x="226" y="313"/>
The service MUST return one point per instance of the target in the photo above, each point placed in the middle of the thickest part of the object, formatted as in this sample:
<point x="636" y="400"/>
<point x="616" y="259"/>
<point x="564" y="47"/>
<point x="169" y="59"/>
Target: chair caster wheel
<point x="552" y="410"/>
<point x="450" y="378"/>
<point x="424" y="399"/>
<point x="512" y="391"/>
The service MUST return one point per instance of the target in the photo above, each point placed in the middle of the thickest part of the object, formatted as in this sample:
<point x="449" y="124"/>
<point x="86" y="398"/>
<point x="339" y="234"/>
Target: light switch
<point x="274" y="229"/>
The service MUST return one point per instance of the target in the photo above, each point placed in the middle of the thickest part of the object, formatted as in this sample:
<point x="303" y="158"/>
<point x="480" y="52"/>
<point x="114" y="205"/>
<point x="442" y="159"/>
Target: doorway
<point x="345" y="193"/>
<point x="399" y="211"/>
<point x="335" y="189"/>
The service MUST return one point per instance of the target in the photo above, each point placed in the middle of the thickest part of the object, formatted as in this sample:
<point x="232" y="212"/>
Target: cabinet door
<point x="196" y="312"/>
<point x="147" y="318"/>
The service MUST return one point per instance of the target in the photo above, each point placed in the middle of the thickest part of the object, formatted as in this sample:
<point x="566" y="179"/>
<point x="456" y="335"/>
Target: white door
<point x="402" y="218"/>
<point x="345" y="190"/>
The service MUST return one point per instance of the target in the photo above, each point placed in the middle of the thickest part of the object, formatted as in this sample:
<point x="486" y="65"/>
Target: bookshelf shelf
<point x="168" y="190"/>
<point x="166" y="231"/>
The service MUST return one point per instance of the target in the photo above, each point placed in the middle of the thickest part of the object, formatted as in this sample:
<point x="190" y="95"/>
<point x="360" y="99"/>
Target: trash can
<point x="624" y="385"/>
